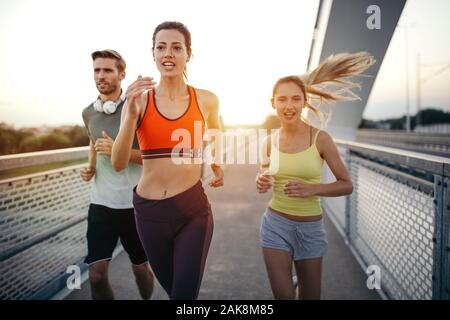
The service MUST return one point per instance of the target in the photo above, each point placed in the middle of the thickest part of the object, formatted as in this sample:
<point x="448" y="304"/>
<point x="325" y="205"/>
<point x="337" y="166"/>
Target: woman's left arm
<point x="214" y="130"/>
<point x="341" y="187"/>
<point x="329" y="152"/>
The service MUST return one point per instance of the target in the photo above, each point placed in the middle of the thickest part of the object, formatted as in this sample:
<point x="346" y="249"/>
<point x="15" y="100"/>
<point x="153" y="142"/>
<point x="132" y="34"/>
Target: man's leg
<point x="98" y="278"/>
<point x="102" y="238"/>
<point x="144" y="279"/>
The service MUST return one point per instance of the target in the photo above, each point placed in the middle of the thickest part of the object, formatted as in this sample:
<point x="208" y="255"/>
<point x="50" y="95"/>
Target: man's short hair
<point x="112" y="54"/>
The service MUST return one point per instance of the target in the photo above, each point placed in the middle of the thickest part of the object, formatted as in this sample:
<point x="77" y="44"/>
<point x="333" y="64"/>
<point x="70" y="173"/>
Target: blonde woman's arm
<point x="341" y="187"/>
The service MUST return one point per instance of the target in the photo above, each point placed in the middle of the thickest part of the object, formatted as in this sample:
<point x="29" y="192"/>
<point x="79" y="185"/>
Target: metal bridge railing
<point x="42" y="225"/>
<point x="430" y="143"/>
<point x="398" y="218"/>
<point x="29" y="159"/>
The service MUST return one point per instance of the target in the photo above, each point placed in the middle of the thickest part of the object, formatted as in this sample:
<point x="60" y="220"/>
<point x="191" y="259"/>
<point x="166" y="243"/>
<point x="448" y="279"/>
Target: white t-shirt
<point x="110" y="188"/>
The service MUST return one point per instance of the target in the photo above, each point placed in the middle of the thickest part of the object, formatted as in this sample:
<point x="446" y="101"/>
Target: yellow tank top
<point x="306" y="166"/>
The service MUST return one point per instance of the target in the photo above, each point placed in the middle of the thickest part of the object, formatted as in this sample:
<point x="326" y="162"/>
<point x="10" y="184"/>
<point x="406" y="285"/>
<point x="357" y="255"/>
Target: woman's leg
<point x="190" y="251"/>
<point x="309" y="274"/>
<point x="156" y="238"/>
<point x="279" y="269"/>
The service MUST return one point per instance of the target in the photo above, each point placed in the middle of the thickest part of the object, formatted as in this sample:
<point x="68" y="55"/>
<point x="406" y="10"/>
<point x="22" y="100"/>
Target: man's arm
<point x="88" y="172"/>
<point x="92" y="156"/>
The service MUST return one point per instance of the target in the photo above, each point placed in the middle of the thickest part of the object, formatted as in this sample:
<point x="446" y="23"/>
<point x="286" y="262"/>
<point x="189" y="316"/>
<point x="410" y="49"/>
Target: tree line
<point x="424" y="117"/>
<point x="25" y="140"/>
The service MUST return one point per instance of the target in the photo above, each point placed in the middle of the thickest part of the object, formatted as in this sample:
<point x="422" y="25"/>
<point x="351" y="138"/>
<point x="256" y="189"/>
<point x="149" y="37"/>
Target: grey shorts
<point x="304" y="240"/>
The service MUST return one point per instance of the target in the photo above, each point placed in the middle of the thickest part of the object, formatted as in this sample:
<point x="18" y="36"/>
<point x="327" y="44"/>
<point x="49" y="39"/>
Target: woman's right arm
<point x="132" y="110"/>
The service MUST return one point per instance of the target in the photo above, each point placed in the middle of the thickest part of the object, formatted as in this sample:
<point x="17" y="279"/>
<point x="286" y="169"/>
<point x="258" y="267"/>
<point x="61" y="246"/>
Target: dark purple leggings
<point x="176" y="233"/>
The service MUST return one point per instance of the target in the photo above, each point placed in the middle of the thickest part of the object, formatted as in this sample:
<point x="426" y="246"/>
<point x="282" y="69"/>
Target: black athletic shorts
<point x="105" y="227"/>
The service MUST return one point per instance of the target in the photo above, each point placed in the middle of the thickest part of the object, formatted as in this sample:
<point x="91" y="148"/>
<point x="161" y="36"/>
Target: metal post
<point x="348" y="200"/>
<point x="437" y="238"/>
<point x="419" y="101"/>
<point x="446" y="241"/>
<point x="408" y="120"/>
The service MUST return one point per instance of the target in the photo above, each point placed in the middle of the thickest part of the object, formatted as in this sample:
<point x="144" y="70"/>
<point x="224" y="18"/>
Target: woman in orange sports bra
<point x="173" y="215"/>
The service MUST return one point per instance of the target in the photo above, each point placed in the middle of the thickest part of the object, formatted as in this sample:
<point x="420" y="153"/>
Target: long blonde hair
<point x="315" y="85"/>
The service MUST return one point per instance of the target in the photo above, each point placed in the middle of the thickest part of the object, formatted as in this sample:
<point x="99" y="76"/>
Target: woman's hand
<point x="218" y="176"/>
<point x="263" y="181"/>
<point x="134" y="91"/>
<point x="298" y="188"/>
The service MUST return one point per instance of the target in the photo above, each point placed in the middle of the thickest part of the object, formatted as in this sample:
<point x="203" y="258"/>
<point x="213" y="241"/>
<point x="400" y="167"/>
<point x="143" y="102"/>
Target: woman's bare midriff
<point x="298" y="218"/>
<point x="162" y="178"/>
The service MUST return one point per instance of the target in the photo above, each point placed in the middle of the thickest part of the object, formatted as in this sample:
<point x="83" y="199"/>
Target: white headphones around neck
<point x="108" y="107"/>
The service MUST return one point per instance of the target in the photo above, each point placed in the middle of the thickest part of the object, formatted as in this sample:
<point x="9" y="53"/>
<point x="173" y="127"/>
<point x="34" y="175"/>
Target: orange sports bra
<point x="161" y="137"/>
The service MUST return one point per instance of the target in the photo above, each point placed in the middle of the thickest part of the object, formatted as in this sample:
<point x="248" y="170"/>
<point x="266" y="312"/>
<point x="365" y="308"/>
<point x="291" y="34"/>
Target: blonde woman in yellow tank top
<point x="292" y="228"/>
